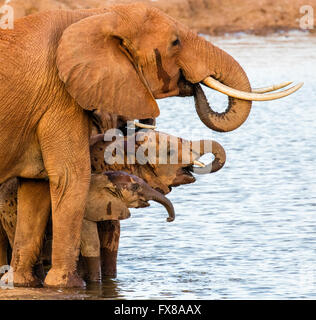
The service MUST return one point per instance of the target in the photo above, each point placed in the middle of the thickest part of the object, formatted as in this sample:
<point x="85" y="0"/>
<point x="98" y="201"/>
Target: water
<point x="248" y="231"/>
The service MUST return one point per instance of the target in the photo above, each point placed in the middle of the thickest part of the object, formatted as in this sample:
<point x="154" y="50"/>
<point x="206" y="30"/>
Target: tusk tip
<point x="251" y="96"/>
<point x="199" y="164"/>
<point x="274" y="87"/>
<point x="144" y="126"/>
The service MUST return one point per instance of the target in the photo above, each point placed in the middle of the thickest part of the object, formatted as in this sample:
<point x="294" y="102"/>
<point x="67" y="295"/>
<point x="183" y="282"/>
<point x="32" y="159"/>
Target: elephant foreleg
<point x="90" y="251"/>
<point x="64" y="140"/>
<point x="109" y="233"/>
<point x="33" y="212"/>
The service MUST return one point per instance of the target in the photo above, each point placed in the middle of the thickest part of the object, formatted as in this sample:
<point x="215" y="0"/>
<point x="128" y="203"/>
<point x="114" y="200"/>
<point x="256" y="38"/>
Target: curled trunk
<point x="160" y="198"/>
<point x="211" y="146"/>
<point x="214" y="62"/>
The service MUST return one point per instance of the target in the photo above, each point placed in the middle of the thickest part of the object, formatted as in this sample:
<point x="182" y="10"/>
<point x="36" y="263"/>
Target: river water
<point x="249" y="230"/>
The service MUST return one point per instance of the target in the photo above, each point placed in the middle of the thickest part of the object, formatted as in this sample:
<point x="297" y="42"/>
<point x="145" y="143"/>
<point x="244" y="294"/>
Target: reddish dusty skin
<point x="109" y="232"/>
<point x="33" y="195"/>
<point x="38" y="213"/>
<point x="159" y="176"/>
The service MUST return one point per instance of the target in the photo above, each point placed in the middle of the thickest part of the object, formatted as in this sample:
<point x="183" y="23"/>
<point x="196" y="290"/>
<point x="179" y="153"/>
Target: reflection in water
<point x="109" y="289"/>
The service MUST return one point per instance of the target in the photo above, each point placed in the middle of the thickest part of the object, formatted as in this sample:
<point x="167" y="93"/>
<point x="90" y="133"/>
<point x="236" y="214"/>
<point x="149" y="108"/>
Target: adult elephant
<point x="57" y="67"/>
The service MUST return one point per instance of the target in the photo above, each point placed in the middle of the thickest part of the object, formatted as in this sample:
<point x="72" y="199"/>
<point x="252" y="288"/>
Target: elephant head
<point x="170" y="163"/>
<point x="130" y="55"/>
<point x="113" y="192"/>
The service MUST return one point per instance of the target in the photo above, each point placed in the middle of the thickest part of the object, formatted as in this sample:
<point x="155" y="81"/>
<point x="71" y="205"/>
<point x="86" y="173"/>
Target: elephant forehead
<point x="158" y="137"/>
<point x="119" y="177"/>
<point x="161" y="26"/>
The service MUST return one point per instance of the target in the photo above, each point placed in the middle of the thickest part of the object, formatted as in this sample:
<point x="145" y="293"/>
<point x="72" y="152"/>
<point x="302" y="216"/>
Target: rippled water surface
<point x="248" y="231"/>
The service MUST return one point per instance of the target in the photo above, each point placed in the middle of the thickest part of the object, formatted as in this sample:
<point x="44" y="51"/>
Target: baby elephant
<point x="111" y="194"/>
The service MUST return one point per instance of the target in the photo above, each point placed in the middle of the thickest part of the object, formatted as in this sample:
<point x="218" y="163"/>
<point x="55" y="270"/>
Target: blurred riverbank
<point x="213" y="17"/>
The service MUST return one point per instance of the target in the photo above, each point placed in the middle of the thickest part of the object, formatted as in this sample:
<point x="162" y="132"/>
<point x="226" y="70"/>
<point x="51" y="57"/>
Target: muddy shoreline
<point x="212" y="17"/>
<point x="108" y="290"/>
<point x="39" y="294"/>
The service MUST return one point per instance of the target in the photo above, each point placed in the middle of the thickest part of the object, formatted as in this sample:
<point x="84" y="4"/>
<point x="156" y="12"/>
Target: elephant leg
<point x="33" y="212"/>
<point x="109" y="233"/>
<point x="64" y="139"/>
<point x="3" y="247"/>
<point x="90" y="251"/>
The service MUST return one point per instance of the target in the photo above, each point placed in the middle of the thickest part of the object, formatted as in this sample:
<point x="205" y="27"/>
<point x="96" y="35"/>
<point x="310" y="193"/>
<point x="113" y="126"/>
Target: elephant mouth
<point x="188" y="171"/>
<point x="184" y="176"/>
<point x="142" y="204"/>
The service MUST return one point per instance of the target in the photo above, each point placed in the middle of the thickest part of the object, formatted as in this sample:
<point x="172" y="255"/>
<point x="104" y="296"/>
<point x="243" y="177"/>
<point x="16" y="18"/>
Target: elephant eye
<point x="135" y="186"/>
<point x="175" y="42"/>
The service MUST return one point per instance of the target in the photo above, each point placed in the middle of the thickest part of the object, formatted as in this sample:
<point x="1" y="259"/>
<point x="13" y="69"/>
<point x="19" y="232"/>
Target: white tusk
<point x="272" y="88"/>
<point x="144" y="126"/>
<point x="214" y="84"/>
<point x="199" y="164"/>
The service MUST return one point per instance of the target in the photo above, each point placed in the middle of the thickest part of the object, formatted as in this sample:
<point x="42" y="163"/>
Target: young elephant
<point x="170" y="163"/>
<point x="110" y="196"/>
<point x="111" y="203"/>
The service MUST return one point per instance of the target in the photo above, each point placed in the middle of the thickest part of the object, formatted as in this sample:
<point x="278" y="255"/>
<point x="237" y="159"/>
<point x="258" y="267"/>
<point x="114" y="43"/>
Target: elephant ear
<point x="119" y="211"/>
<point x="95" y="60"/>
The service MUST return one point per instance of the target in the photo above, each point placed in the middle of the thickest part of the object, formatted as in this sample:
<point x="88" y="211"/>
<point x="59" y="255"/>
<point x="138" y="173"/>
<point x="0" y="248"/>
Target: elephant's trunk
<point x="211" y="146"/>
<point x="160" y="198"/>
<point x="213" y="62"/>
